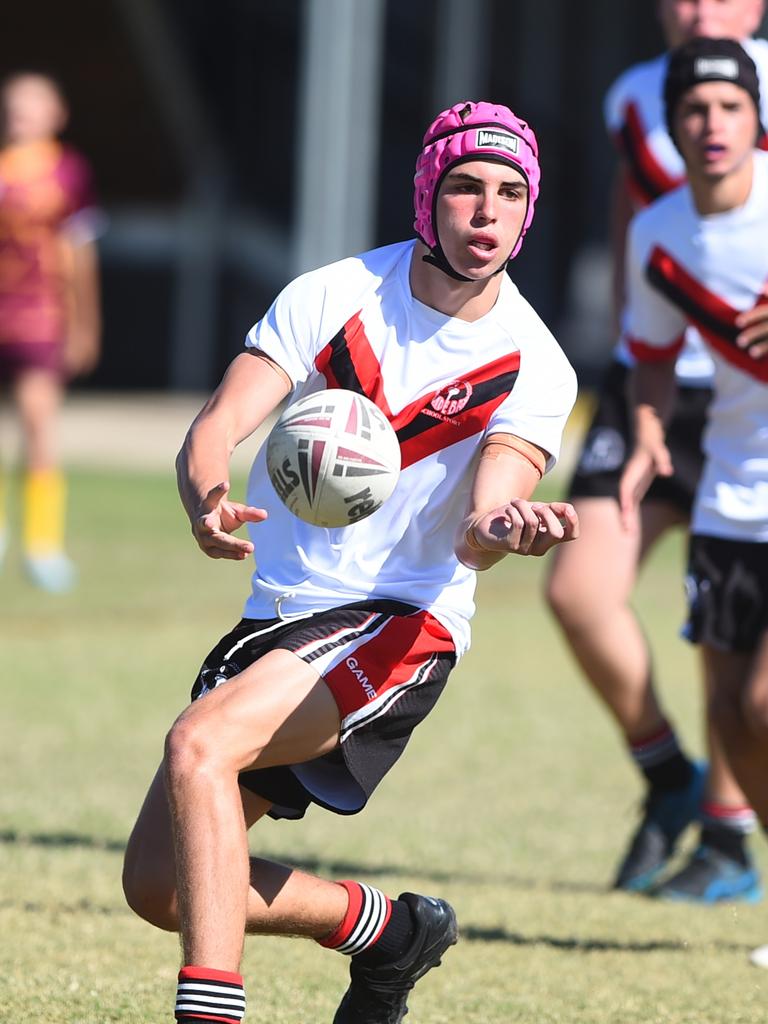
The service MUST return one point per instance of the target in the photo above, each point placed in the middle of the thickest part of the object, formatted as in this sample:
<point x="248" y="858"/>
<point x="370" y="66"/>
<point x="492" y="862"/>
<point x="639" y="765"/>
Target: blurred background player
<point x="699" y="256"/>
<point x="591" y="582"/>
<point x="49" y="303"/>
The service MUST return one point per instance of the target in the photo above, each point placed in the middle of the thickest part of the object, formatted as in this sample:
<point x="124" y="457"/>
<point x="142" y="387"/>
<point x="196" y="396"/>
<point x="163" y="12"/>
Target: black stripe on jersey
<point x="688" y="304"/>
<point x="342" y="365"/>
<point x="481" y="393"/>
<point x="649" y="188"/>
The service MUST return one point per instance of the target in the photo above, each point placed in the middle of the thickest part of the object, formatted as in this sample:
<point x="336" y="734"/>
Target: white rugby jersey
<point x="355" y="324"/>
<point x="683" y="269"/>
<point x="634" y="116"/>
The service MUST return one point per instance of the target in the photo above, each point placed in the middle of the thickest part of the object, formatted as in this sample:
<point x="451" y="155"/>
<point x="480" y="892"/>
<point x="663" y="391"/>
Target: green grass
<point x="513" y="801"/>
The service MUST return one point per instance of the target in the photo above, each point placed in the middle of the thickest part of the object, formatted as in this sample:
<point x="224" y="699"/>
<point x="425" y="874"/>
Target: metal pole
<point x="461" y="55"/>
<point x="339" y="127"/>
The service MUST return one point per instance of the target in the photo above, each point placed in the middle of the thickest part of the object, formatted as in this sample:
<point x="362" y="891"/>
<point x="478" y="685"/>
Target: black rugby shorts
<point x="386" y="664"/>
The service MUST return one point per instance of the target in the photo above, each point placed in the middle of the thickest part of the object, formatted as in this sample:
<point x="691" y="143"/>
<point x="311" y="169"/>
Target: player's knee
<point x="149" y="889"/>
<point x="566" y="601"/>
<point x="189" y="749"/>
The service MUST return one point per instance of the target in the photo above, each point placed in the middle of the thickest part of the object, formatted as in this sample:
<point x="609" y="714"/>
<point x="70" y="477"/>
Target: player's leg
<point x="739" y="683"/>
<point x="392" y="942"/>
<point x="249" y="722"/>
<point x="725" y="585"/>
<point x="589" y="591"/>
<point x="720" y="867"/>
<point x="37" y="393"/>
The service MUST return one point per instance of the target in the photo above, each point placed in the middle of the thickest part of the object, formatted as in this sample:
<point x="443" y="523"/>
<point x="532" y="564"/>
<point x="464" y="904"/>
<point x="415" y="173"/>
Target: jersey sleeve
<point x="541" y="401"/>
<point x="655" y="328"/>
<point x="289" y="330"/>
<point x="614" y="107"/>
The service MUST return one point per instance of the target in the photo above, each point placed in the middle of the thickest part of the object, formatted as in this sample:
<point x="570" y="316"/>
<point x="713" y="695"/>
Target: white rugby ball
<point x="333" y="458"/>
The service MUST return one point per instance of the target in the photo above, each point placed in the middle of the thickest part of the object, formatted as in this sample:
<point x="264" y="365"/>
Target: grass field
<point x="513" y="801"/>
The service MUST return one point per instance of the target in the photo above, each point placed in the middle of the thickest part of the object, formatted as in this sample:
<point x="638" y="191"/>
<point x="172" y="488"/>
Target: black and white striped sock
<point x="205" y="994"/>
<point x="375" y="929"/>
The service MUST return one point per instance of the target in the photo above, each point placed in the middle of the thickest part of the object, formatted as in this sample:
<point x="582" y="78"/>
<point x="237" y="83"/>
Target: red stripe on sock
<point x="210" y="974"/>
<point x="344" y="930"/>
<point x="199" y="1016"/>
<point x="655" y="737"/>
<point x="715" y="810"/>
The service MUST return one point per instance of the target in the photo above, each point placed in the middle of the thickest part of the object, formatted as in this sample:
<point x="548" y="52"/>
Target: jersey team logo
<point x="450" y="400"/>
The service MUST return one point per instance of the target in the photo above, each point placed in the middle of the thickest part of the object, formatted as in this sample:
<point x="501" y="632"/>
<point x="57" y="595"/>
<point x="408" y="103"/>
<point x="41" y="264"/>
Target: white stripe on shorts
<point x="381" y="704"/>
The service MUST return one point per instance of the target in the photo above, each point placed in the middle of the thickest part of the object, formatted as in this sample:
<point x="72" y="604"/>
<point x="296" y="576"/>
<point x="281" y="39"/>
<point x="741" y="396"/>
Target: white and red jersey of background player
<point x="635" y="118"/>
<point x="683" y="268"/>
<point x="444" y="384"/>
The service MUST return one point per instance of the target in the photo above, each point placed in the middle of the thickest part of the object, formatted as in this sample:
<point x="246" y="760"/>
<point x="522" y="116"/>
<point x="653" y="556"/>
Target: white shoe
<point x="55" y="572"/>
<point x="759" y="956"/>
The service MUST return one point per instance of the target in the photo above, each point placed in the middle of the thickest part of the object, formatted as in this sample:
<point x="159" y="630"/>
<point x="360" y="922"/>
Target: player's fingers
<point x="525" y="524"/>
<point x="757" y="315"/>
<point x="222" y="545"/>
<point x="549" y="522"/>
<point x="249" y="513"/>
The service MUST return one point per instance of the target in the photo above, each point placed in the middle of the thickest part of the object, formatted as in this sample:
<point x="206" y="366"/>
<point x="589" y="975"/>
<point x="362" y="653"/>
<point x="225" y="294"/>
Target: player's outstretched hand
<point x="641" y="467"/>
<point x="753" y="327"/>
<point x="218" y="518"/>
<point x="527" y="527"/>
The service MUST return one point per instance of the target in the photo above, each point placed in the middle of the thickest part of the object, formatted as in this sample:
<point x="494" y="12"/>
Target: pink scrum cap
<point x="472" y="131"/>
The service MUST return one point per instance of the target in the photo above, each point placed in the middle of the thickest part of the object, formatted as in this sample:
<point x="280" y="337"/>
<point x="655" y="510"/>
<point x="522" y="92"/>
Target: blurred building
<point x="237" y="143"/>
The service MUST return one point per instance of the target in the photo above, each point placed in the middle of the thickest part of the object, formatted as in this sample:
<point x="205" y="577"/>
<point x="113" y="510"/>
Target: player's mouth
<point x="714" y="151"/>
<point x="483" y="247"/>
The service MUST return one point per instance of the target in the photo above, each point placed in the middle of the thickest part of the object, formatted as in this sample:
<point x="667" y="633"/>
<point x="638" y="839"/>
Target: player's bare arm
<point x="501" y="519"/>
<point x="621" y="212"/>
<point x="252" y="388"/>
<point x="653" y="395"/>
<point x="83" y="343"/>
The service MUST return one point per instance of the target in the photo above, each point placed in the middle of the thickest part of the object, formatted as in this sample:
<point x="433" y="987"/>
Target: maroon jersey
<point x="46" y="198"/>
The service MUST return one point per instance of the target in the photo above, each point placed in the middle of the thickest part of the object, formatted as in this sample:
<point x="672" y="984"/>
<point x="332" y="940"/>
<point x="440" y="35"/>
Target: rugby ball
<point x="333" y="458"/>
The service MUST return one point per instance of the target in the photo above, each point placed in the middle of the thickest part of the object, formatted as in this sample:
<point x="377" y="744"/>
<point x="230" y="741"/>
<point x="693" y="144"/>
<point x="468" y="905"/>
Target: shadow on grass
<point x="69" y="840"/>
<point x="473" y="934"/>
<point x="469" y="932"/>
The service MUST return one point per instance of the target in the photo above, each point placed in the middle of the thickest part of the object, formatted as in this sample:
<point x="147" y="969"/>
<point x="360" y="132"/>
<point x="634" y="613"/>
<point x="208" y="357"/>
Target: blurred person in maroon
<point x="49" y="302"/>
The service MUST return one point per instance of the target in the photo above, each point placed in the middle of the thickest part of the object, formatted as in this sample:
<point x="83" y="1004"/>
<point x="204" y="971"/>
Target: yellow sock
<point x="44" y="497"/>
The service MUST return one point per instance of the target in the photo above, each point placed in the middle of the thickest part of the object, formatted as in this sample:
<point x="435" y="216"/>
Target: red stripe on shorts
<point x="389" y="658"/>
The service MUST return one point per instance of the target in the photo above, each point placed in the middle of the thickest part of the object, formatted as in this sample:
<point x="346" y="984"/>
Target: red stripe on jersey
<point x="713" y="316"/>
<point x="762" y="143"/>
<point x="645" y="353"/>
<point x="647" y="178"/>
<point x="348" y="361"/>
<point x="423" y="430"/>
<point x="389" y="658"/>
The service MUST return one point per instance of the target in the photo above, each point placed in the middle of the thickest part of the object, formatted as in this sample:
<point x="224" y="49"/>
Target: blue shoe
<point x="667" y="815"/>
<point x="712" y="877"/>
<point x="54" y="573"/>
